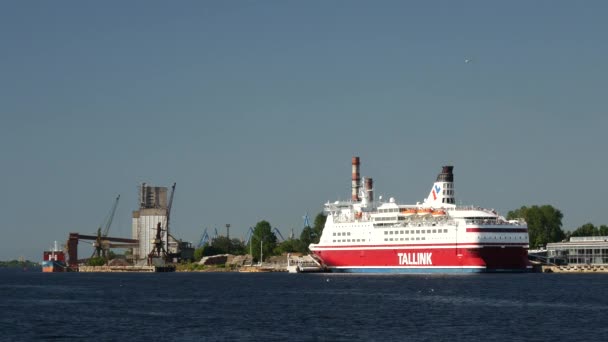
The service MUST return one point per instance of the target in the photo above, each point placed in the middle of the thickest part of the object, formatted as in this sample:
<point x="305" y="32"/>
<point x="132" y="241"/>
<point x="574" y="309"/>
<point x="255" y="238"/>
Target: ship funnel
<point x="442" y="192"/>
<point x="355" y="179"/>
<point x="369" y="189"/>
<point x="446" y="174"/>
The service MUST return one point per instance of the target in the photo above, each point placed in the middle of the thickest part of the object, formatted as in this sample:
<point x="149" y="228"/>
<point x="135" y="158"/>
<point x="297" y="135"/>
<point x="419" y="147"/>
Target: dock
<point x="133" y="269"/>
<point x="575" y="269"/>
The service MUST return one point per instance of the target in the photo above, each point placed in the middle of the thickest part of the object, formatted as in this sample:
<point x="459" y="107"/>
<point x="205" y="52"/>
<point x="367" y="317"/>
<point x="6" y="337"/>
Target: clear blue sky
<point x="255" y="108"/>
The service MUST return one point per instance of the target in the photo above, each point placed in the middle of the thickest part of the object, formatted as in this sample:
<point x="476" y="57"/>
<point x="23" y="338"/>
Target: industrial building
<point x="580" y="250"/>
<point x="153" y="209"/>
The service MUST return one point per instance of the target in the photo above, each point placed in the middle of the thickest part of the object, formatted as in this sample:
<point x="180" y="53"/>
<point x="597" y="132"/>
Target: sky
<point x="255" y="108"/>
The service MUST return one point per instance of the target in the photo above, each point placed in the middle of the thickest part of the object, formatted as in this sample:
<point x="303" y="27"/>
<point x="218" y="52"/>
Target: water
<point x="302" y="307"/>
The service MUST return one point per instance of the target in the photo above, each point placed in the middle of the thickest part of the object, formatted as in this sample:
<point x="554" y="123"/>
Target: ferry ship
<point x="54" y="260"/>
<point x="376" y="236"/>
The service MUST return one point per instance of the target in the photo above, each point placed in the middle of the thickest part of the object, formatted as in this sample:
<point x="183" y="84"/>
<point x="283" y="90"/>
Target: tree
<point x="307" y="236"/>
<point x="289" y="246"/>
<point x="544" y="223"/>
<point x="199" y="253"/>
<point x="237" y="247"/>
<point x="318" y="226"/>
<point x="262" y="232"/>
<point x="222" y="244"/>
<point x="96" y="261"/>
<point x="589" y="229"/>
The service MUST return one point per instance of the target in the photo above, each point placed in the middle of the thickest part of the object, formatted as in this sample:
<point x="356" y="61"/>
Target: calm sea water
<point x="302" y="307"/>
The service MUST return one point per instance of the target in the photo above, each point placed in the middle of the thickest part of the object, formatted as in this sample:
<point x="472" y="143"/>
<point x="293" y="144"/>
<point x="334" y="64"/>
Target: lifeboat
<point x="408" y="212"/>
<point x="424" y="211"/>
<point x="439" y="212"/>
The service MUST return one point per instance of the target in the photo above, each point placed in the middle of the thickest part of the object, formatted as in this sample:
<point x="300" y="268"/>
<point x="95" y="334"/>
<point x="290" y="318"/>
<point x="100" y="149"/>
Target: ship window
<point x="422" y="238"/>
<point x="401" y="232"/>
<point x="348" y="240"/>
<point x="391" y="239"/>
<point x="417" y="238"/>
<point x="386" y="232"/>
<point x="445" y="230"/>
<point x="401" y="239"/>
<point x="334" y="234"/>
<point x="333" y="240"/>
<point x="434" y="230"/>
<point x="348" y="233"/>
<point x="385" y="239"/>
<point x="391" y="232"/>
<point x="417" y="231"/>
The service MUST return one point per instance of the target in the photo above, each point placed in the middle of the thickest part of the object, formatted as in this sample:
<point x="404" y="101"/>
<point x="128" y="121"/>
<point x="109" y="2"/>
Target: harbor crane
<point x="101" y="244"/>
<point x="306" y="220"/>
<point x="249" y="234"/>
<point x="203" y="240"/>
<point x="276" y="230"/>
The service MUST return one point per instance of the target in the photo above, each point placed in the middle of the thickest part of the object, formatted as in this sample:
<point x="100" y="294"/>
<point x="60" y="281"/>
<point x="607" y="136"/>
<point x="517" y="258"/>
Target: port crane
<point x="306" y="220"/>
<point x="203" y="240"/>
<point x="276" y="230"/>
<point x="160" y="248"/>
<point x="249" y="234"/>
<point x="101" y="244"/>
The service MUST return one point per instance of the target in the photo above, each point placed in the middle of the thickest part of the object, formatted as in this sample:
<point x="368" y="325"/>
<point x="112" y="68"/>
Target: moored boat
<point x="369" y="235"/>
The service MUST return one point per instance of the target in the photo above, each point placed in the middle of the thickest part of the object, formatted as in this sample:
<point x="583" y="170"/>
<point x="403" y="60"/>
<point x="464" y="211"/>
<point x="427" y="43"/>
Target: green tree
<point x="307" y="237"/>
<point x="222" y="244"/>
<point x="237" y="247"/>
<point x="199" y="253"/>
<point x="544" y="223"/>
<point x="96" y="261"/>
<point x="262" y="232"/>
<point x="587" y="229"/>
<point x="318" y="226"/>
<point x="288" y="246"/>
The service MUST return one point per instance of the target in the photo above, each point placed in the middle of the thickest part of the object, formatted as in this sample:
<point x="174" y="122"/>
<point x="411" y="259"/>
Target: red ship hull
<point x="424" y="259"/>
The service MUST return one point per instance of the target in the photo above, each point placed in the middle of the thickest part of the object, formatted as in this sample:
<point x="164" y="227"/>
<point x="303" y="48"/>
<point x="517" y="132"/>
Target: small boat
<point x="408" y="212"/>
<point x="424" y="211"/>
<point x="437" y="213"/>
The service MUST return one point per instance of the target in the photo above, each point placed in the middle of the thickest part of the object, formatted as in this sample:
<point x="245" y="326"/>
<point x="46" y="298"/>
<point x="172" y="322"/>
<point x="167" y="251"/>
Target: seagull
<point x="466" y="60"/>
